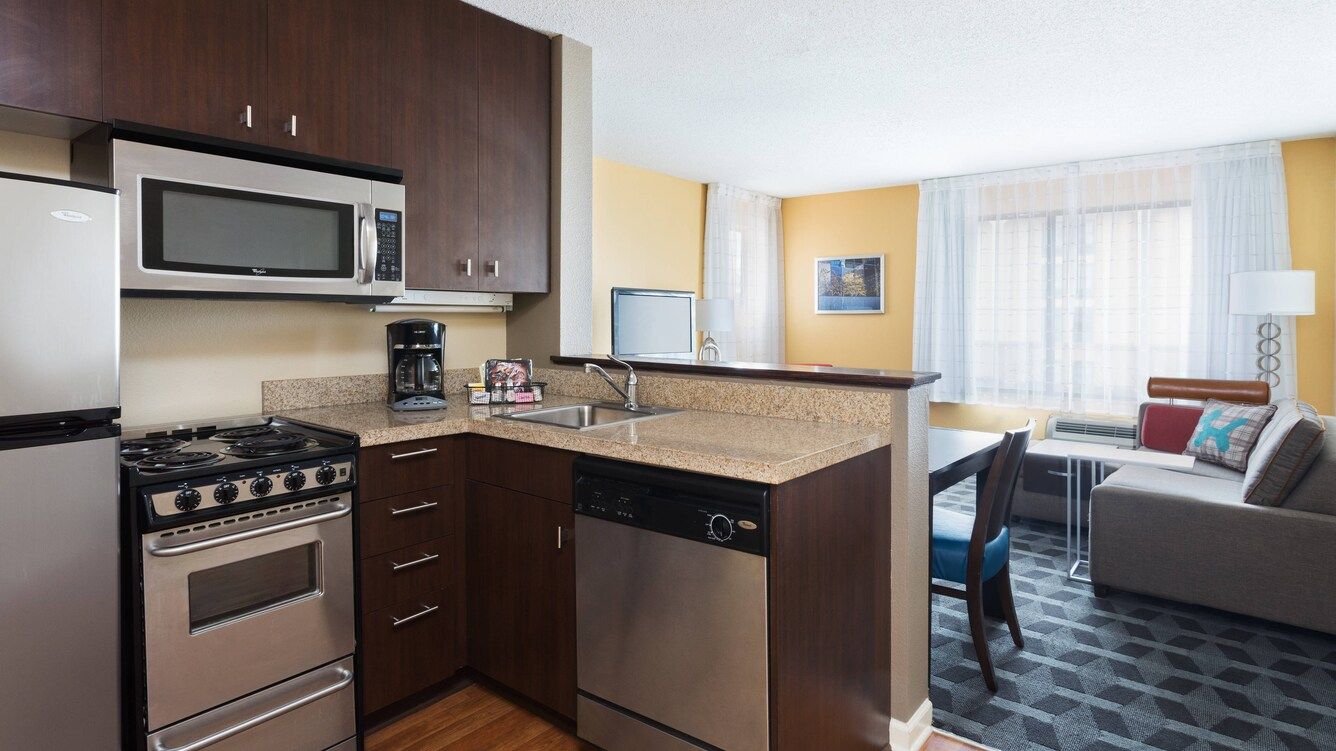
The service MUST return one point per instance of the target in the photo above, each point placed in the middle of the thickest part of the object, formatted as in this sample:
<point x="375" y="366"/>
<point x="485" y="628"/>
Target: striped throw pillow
<point x="1288" y="446"/>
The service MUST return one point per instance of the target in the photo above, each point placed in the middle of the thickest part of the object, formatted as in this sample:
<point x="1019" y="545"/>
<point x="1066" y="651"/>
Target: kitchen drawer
<point x="422" y="649"/>
<point x="398" y="468"/>
<point x="408" y="572"/>
<point x="535" y="470"/>
<point x="391" y="523"/>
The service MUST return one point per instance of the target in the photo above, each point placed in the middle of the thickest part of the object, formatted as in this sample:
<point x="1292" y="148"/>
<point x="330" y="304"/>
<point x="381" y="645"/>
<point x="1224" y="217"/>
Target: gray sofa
<point x="1190" y="537"/>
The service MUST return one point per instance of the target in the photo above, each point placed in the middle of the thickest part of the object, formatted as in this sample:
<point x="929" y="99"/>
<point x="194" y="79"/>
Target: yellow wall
<point x="187" y="359"/>
<point x="884" y="220"/>
<point x="649" y="231"/>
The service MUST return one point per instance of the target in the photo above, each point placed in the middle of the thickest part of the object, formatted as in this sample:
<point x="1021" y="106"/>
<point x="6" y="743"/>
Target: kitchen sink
<point x="585" y="416"/>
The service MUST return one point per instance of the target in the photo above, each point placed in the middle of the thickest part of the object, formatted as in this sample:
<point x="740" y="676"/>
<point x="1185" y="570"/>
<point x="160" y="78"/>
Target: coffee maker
<point x="417" y="353"/>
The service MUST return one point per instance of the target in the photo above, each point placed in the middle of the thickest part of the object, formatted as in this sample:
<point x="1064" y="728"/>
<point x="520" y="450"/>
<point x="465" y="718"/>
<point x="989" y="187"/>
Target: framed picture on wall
<point x="851" y="284"/>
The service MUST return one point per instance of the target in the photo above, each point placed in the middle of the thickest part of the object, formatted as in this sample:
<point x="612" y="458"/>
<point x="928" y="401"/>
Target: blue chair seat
<point x="951" y="544"/>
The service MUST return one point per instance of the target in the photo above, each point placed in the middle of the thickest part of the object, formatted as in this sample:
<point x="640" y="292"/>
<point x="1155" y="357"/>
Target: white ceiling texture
<point x="794" y="97"/>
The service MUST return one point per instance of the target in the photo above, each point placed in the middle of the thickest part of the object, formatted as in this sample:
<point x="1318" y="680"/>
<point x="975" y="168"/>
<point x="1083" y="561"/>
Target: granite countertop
<point x="745" y="447"/>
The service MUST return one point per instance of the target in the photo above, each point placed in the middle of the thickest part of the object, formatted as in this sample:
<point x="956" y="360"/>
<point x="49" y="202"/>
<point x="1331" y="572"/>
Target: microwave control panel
<point x="389" y="245"/>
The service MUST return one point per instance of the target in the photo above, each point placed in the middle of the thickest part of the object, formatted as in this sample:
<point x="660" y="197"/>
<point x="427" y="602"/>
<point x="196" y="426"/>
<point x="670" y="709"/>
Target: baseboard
<point x="911" y="734"/>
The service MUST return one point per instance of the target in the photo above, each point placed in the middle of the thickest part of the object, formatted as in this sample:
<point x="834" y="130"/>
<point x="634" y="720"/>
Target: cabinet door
<point x="193" y="66"/>
<point x="514" y="153"/>
<point x="521" y="594"/>
<point x="50" y="56"/>
<point x="436" y="91"/>
<point x="329" y="63"/>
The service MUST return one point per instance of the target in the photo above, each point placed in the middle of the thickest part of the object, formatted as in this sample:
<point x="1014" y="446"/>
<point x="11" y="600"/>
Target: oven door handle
<point x="167" y="551"/>
<point x="345" y="677"/>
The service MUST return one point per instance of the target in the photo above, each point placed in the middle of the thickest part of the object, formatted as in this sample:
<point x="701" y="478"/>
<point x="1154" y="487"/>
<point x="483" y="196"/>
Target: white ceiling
<point x="794" y="97"/>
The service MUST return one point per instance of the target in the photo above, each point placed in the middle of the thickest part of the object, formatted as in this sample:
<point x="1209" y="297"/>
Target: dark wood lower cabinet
<point x="407" y="647"/>
<point x="521" y="593"/>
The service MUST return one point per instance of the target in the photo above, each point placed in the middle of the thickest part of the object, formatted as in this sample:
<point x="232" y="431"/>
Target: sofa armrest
<point x="1272" y="563"/>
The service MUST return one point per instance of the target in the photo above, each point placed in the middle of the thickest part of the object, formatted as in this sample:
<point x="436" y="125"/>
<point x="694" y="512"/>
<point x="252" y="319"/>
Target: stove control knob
<point x="325" y="475"/>
<point x="261" y="486"/>
<point x="187" y="500"/>
<point x="721" y="528"/>
<point x="294" y="480"/>
<point x="225" y="493"/>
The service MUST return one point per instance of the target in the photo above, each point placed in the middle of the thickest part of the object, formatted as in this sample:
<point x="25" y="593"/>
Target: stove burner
<point x="147" y="446"/>
<point x="237" y="434"/>
<point x="280" y="442"/>
<point x="169" y="460"/>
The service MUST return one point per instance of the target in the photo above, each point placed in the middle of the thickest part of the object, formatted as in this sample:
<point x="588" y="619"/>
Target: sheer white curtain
<point x="744" y="262"/>
<point x="1066" y="287"/>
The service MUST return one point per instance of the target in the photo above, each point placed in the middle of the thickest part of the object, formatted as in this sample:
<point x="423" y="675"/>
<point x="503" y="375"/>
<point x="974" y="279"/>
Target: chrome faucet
<point x="629" y="393"/>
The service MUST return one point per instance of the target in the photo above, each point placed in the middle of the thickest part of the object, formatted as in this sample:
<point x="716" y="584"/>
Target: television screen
<point x="656" y="322"/>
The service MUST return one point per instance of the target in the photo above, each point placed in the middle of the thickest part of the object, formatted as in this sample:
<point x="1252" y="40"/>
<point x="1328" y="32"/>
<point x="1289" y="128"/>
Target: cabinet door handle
<point x="426" y="610"/>
<point x="412" y="509"/>
<point x="466" y="266"/>
<point x="408" y="454"/>
<point x="493" y="268"/>
<point x="290" y="127"/>
<point x="246" y="117"/>
<point x="563" y="536"/>
<point x="429" y="557"/>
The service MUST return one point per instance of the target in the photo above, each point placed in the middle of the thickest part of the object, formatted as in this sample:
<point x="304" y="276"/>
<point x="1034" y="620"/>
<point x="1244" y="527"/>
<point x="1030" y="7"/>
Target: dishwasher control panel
<point x="735" y="520"/>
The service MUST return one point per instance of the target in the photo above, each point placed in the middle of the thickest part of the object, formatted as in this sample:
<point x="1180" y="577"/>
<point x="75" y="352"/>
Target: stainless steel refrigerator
<point x="60" y="646"/>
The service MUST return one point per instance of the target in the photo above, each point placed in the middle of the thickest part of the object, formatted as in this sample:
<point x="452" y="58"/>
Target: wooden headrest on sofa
<point x="1201" y="389"/>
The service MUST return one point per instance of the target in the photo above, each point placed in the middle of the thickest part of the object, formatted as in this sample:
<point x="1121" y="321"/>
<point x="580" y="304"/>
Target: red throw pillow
<point x="1168" y="427"/>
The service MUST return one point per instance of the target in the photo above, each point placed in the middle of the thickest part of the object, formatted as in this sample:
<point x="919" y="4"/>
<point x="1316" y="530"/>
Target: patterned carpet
<point x="1126" y="671"/>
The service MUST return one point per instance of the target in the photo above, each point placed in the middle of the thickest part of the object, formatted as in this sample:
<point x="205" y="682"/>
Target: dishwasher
<point x="670" y="609"/>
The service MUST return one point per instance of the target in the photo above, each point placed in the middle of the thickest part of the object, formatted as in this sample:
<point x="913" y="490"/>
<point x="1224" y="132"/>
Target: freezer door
<point x="60" y="618"/>
<point x="60" y="313"/>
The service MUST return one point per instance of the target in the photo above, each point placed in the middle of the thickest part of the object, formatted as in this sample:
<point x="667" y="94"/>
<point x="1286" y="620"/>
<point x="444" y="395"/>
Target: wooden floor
<point x="474" y="718"/>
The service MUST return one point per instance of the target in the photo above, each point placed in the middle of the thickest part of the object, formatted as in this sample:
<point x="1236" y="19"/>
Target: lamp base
<point x="1268" y="352"/>
<point x="709" y="350"/>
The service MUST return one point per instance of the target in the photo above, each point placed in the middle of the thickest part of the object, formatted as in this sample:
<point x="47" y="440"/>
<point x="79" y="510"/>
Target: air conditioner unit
<point x="1080" y="428"/>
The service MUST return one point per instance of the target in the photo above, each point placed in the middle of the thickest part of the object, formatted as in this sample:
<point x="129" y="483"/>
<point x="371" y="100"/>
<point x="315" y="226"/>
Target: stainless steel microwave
<point x="201" y="225"/>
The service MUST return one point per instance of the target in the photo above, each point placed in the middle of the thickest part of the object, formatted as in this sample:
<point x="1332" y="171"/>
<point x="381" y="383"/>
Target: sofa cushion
<point x="1227" y="432"/>
<point x="1316" y="490"/>
<point x="1167" y="427"/>
<point x="1286" y="449"/>
<point x="1205" y="469"/>
<point x="1168" y="482"/>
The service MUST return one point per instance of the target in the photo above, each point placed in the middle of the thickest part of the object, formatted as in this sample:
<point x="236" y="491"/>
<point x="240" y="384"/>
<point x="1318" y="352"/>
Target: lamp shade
<point x="715" y="314"/>
<point x="1277" y="293"/>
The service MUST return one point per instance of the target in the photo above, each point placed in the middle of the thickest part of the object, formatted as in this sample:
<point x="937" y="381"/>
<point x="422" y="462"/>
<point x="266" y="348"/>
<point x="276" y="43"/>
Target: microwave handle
<point x="366" y="257"/>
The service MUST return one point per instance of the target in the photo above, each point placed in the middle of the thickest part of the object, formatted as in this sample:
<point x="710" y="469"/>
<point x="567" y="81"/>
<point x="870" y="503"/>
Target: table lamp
<point x="713" y="315"/>
<point x="1270" y="294"/>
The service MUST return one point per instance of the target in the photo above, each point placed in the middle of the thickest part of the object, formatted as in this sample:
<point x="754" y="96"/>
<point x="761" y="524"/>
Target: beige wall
<point x="185" y="359"/>
<point x="649" y="231"/>
<point x="884" y="220"/>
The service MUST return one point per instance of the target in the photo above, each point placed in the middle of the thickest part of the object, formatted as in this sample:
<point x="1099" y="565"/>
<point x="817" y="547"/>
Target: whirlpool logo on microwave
<point x="259" y="272"/>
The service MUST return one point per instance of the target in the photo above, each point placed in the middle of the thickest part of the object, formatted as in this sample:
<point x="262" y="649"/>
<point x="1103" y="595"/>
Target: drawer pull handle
<point x="409" y="454"/>
<point x="411" y="509"/>
<point x="418" y="562"/>
<point x="425" y="611"/>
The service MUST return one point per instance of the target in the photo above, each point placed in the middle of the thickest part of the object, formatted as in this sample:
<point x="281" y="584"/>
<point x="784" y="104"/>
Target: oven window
<point x="236" y="590"/>
<point x="205" y="229"/>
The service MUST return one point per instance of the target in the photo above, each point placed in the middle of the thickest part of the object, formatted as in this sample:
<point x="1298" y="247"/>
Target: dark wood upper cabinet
<point x="50" y="56"/>
<point x="328" y="77"/>
<point x="521" y="594"/>
<point x="514" y="155"/>
<point x="192" y="66"/>
<point x="436" y="93"/>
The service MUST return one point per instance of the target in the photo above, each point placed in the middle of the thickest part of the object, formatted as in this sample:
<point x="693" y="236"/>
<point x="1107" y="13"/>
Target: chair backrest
<point x="994" y="504"/>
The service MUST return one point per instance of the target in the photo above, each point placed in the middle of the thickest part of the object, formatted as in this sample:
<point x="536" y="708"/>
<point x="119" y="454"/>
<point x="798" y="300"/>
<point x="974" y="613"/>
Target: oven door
<point x="201" y="223"/>
<point x="236" y="605"/>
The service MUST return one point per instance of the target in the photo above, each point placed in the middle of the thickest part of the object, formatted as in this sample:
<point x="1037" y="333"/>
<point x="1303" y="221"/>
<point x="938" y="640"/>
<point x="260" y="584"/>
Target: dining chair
<point x="975" y="551"/>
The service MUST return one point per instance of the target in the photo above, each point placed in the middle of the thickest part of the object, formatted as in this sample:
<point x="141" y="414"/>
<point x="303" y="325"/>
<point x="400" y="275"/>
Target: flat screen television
<point x="653" y="322"/>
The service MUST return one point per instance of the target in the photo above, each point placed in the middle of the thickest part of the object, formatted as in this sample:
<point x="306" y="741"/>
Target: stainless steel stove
<point x="243" y="536"/>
